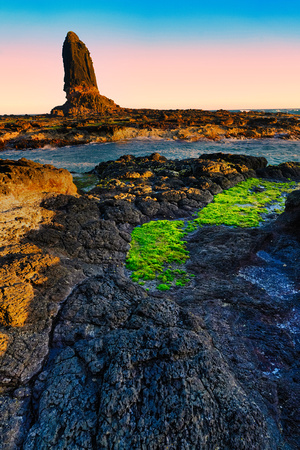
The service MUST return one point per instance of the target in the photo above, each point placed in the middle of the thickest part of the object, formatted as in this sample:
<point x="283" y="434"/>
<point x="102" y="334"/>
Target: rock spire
<point x="80" y="82"/>
<point x="78" y="64"/>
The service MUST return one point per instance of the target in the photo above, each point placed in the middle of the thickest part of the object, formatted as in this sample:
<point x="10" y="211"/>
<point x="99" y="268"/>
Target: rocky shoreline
<point x="90" y="359"/>
<point x="24" y="132"/>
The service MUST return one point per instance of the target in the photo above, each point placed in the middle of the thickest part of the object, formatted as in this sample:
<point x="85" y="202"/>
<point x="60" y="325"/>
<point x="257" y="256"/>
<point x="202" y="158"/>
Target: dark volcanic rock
<point x="165" y="188"/>
<point x="290" y="219"/>
<point x="78" y="65"/>
<point x="128" y="361"/>
<point x="240" y="161"/>
<point x="80" y="82"/>
<point x="103" y="363"/>
<point x="284" y="170"/>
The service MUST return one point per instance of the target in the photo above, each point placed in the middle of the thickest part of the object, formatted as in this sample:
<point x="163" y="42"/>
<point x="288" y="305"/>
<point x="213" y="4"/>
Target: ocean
<point x="83" y="158"/>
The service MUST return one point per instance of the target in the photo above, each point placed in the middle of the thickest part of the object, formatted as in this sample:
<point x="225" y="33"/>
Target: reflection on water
<point x="83" y="158"/>
<point x="272" y="277"/>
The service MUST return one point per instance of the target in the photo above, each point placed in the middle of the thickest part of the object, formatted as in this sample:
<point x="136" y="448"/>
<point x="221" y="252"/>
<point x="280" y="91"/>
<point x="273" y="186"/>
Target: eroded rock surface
<point x="28" y="272"/>
<point x="148" y="378"/>
<point x="24" y="176"/>
<point x="102" y="363"/>
<point x="290" y="221"/>
<point x="134" y="189"/>
<point x="80" y="82"/>
<point x="122" y="124"/>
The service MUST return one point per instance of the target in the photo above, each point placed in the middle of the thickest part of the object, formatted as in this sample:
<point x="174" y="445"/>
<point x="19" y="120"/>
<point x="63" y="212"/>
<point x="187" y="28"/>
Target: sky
<point x="154" y="54"/>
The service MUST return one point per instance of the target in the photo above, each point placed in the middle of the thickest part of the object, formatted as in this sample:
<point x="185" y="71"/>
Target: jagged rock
<point x="124" y="123"/>
<point x="290" y="170"/>
<point x="19" y="177"/>
<point x="290" y="219"/>
<point x="78" y="65"/>
<point x="168" y="183"/>
<point x="242" y="163"/>
<point x="144" y="364"/>
<point x="80" y="83"/>
<point x="100" y="362"/>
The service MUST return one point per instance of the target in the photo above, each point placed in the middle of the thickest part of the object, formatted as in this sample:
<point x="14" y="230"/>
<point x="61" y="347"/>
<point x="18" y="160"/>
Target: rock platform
<point x="38" y="131"/>
<point x="90" y="359"/>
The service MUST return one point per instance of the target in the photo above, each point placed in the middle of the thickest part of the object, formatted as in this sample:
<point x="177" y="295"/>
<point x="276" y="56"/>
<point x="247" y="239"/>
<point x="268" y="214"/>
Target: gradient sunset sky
<point x="155" y="54"/>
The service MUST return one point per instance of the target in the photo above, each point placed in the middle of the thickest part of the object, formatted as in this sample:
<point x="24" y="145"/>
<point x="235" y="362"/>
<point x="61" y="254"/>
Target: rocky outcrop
<point x="23" y="176"/>
<point x="100" y="362"/>
<point x="290" y="170"/>
<point x="148" y="378"/>
<point x="51" y="130"/>
<point x="290" y="219"/>
<point x="134" y="189"/>
<point x="80" y="82"/>
<point x="78" y="65"/>
<point x="27" y="271"/>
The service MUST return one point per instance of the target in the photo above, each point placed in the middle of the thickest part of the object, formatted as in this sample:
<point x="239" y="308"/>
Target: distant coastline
<point x="268" y="110"/>
<point x="38" y="131"/>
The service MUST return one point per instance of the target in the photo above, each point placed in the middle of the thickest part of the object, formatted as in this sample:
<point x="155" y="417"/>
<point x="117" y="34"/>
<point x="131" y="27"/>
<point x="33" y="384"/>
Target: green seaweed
<point x="157" y="247"/>
<point x="85" y="181"/>
<point x="154" y="245"/>
<point x="163" y="287"/>
<point x="243" y="205"/>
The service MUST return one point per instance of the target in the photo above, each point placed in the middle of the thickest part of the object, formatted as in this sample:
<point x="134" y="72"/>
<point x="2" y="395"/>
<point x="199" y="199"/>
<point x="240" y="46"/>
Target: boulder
<point x="284" y="170"/>
<point x="19" y="177"/>
<point x="243" y="163"/>
<point x="290" y="219"/>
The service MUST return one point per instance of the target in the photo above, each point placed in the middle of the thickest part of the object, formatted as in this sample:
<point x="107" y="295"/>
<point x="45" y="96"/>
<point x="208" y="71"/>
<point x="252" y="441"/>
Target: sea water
<point x="83" y="158"/>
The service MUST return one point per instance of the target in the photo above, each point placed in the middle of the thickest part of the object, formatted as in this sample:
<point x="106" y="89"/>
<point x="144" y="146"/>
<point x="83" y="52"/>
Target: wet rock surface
<point x="290" y="221"/>
<point x="100" y="362"/>
<point x="134" y="189"/>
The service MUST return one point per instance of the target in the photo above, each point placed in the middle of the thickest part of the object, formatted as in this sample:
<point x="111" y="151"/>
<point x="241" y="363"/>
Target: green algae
<point x="163" y="287"/>
<point x="85" y="181"/>
<point x="244" y="204"/>
<point x="154" y="245"/>
<point x="158" y="247"/>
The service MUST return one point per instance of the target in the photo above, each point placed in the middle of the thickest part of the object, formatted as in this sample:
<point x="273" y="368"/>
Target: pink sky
<point x="212" y="76"/>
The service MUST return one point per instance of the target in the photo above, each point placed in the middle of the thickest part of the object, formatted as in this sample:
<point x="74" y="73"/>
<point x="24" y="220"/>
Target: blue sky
<point x="174" y="43"/>
<point x="197" y="18"/>
<point x="155" y="8"/>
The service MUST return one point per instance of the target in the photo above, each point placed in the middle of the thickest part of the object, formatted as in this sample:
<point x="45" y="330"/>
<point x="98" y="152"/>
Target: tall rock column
<point x="80" y="82"/>
<point x="78" y="65"/>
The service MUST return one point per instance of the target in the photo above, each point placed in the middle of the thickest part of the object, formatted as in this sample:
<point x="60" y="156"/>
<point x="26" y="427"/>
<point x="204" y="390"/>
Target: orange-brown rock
<point x="123" y="124"/>
<point x="3" y="343"/>
<point x="19" y="177"/>
<point x="29" y="274"/>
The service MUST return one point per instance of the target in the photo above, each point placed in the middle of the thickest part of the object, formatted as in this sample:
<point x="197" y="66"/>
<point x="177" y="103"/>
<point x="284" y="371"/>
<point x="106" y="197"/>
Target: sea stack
<point x="80" y="83"/>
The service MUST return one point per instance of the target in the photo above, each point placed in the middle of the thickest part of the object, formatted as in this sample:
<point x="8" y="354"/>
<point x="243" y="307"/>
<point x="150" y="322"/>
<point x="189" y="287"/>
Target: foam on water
<point x="83" y="158"/>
